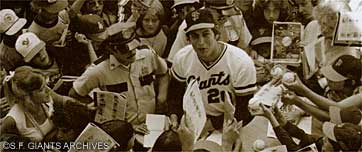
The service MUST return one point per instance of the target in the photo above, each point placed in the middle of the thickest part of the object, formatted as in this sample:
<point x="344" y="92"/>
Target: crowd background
<point x="136" y="47"/>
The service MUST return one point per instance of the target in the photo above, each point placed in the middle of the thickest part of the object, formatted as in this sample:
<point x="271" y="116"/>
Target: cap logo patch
<point x="339" y="62"/>
<point x="195" y="15"/>
<point x="9" y="17"/>
<point x="229" y="2"/>
<point x="52" y="1"/>
<point x="25" y="42"/>
<point x="100" y="25"/>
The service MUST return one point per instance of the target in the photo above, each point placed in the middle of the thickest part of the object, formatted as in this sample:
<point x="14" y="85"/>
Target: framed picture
<point x="348" y="31"/>
<point x="286" y="38"/>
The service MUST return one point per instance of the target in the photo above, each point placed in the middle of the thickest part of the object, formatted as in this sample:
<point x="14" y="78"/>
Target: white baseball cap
<point x="10" y="23"/>
<point x="28" y="45"/>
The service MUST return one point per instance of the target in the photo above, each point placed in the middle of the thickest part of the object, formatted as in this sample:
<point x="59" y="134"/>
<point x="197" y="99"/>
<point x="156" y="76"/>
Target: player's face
<point x="204" y="43"/>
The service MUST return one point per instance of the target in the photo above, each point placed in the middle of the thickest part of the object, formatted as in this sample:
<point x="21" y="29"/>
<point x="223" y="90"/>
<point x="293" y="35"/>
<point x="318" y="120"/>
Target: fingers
<point x="141" y="129"/>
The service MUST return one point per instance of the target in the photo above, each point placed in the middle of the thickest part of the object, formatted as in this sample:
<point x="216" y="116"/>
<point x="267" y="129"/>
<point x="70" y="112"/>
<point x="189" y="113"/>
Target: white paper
<point x="267" y="94"/>
<point x="309" y="148"/>
<point x="94" y="134"/>
<point x="156" y="125"/>
<point x="215" y="136"/>
<point x="315" y="57"/>
<point x="195" y="115"/>
<point x="110" y="105"/>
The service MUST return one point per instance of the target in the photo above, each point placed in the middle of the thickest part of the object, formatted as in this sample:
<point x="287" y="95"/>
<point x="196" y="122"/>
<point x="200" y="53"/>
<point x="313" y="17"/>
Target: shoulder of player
<point x="236" y="52"/>
<point x="184" y="53"/>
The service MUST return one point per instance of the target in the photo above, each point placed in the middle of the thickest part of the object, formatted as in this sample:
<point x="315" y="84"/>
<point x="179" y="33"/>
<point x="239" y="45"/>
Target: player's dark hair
<point x="168" y="141"/>
<point x="121" y="131"/>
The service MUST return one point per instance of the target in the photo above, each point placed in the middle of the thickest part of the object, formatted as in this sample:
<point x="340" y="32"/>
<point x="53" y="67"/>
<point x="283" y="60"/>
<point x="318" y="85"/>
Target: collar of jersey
<point x="114" y="63"/>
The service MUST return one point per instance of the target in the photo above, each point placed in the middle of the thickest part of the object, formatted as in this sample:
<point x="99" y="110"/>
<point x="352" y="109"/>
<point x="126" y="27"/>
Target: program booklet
<point x="286" y="38"/>
<point x="156" y="124"/>
<point x="94" y="139"/>
<point x="348" y="31"/>
<point x="193" y="106"/>
<point x="110" y="105"/>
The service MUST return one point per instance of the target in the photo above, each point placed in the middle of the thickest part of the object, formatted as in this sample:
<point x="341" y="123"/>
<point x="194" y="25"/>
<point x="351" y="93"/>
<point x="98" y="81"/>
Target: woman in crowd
<point x="149" y="29"/>
<point x="32" y="109"/>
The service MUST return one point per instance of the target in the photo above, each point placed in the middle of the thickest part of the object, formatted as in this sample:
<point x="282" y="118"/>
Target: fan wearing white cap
<point x="10" y="25"/>
<point x="34" y="53"/>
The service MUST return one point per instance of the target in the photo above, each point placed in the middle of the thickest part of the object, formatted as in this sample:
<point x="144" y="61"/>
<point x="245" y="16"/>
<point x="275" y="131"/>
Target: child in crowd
<point x="149" y="29"/>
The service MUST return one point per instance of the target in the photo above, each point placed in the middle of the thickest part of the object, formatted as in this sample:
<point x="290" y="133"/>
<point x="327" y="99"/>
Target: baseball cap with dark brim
<point x="332" y="74"/>
<point x="351" y="115"/>
<point x="342" y="68"/>
<point x="16" y="27"/>
<point x="51" y="6"/>
<point x="337" y="132"/>
<point x="199" y="19"/>
<point x="35" y="50"/>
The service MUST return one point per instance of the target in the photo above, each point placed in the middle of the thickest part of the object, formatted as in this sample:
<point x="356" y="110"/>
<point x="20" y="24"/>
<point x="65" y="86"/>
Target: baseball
<point x="258" y="145"/>
<point x="288" y="77"/>
<point x="277" y="72"/>
<point x="286" y="41"/>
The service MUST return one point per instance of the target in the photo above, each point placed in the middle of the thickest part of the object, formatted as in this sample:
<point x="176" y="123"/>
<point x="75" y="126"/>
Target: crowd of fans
<point x="151" y="49"/>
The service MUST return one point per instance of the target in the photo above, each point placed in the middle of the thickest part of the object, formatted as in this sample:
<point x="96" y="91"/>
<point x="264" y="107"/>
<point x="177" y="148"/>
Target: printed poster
<point x="93" y="135"/>
<point x="348" y="31"/>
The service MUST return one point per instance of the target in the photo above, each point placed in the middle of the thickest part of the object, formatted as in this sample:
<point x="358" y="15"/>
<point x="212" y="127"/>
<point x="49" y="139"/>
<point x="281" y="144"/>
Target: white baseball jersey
<point x="232" y="72"/>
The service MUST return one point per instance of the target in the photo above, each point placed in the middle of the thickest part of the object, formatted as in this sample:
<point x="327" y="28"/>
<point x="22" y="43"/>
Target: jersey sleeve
<point x="178" y="68"/>
<point x="245" y="78"/>
<point x="89" y="80"/>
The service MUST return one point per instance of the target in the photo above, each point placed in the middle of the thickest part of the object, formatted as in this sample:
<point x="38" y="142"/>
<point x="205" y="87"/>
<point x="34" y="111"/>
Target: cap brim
<point x="331" y="74"/>
<point x="16" y="27"/>
<point x="230" y="12"/>
<point x="34" y="51"/>
<point x="207" y="145"/>
<point x="181" y="3"/>
<point x="328" y="130"/>
<point x="335" y="114"/>
<point x="98" y="36"/>
<point x="200" y="26"/>
<point x="118" y="27"/>
<point x="58" y="6"/>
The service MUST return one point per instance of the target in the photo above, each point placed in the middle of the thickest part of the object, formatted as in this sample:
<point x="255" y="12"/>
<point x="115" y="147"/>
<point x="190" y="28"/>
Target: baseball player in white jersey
<point x="219" y="68"/>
